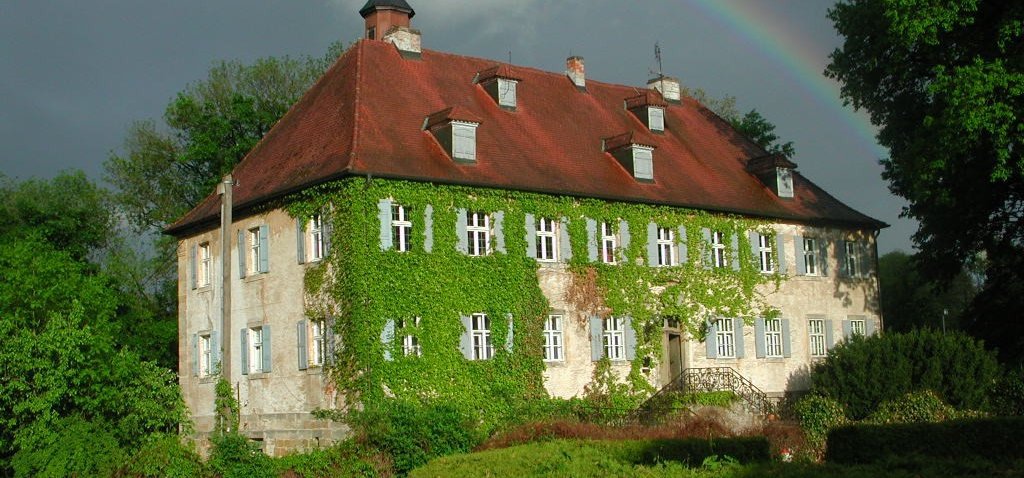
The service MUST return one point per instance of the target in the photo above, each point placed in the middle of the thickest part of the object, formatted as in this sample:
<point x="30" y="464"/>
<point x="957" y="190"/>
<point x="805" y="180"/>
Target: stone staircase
<point x="710" y="379"/>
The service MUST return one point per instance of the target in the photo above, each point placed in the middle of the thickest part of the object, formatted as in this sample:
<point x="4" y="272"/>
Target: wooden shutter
<point x="266" y="350"/>
<point x="195" y="355"/>
<point x="245" y="351"/>
<point x="596" y="338"/>
<point x="759" y="339"/>
<point x="592" y="240"/>
<point x="737" y="331"/>
<point x="300" y="240"/>
<point x="510" y="335"/>
<point x="830" y="340"/>
<point x="841" y="258"/>
<point x="780" y="253"/>
<point x="193" y="252"/>
<point x="214" y="350"/>
<point x="301" y="345"/>
<point x="264" y="265"/>
<point x="564" y="243"/>
<point x="329" y="340"/>
<point x="624" y="239"/>
<point x="801" y="261"/>
<point x="499" y="231"/>
<point x="466" y="340"/>
<point x="755" y="246"/>
<point x="711" y="340"/>
<point x="461" y="241"/>
<point x="531" y="236"/>
<point x="787" y="343"/>
<point x="630" y="338"/>
<point x="869" y="327"/>
<point x="847" y="329"/>
<point x="384" y="215"/>
<point x="708" y="255"/>
<point x="428" y="228"/>
<point x="652" y="244"/>
<point x="823" y="257"/>
<point x="242" y="253"/>
<point x="387" y="336"/>
<point x="735" y="251"/>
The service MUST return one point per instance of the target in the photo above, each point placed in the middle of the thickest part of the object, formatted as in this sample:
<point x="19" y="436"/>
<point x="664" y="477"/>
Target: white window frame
<point x="858" y="327"/>
<point x="853" y="259"/>
<point x="656" y="118"/>
<point x="724" y="338"/>
<point x="483" y="348"/>
<point x="401" y="228"/>
<point x="816" y="337"/>
<point x="718" y="257"/>
<point x="255" y="350"/>
<point x="410" y="342"/>
<point x="773" y="338"/>
<point x="547" y="240"/>
<point x="614" y="338"/>
<point x="609" y="243"/>
<point x="667" y="252"/>
<point x="464" y="140"/>
<point x="253" y="265"/>
<point x="507" y="92"/>
<point x="765" y="253"/>
<point x="317" y="342"/>
<point x="205" y="355"/>
<point x="812" y="263"/>
<point x="478" y="234"/>
<point x="554" y="346"/>
<point x="316" y="238"/>
<point x="643" y="162"/>
<point x="205" y="263"/>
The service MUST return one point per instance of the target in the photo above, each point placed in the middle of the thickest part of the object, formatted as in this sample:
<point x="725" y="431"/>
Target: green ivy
<point x="363" y="287"/>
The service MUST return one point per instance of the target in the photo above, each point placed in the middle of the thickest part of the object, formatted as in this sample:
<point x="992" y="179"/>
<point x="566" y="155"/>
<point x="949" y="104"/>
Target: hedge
<point x="996" y="439"/>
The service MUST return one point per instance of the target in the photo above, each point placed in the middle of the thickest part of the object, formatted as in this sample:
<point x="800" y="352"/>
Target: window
<point x="205" y="356"/>
<point x="811" y="259"/>
<point x="483" y="349"/>
<point x="643" y="163"/>
<point x="853" y="259"/>
<point x="546" y="240"/>
<point x="410" y="342"/>
<point x="464" y="140"/>
<point x="203" y="276"/>
<point x="816" y="332"/>
<point x="316" y="238"/>
<point x="256" y="350"/>
<point x="401" y="228"/>
<point x="857" y="327"/>
<point x="724" y="338"/>
<point x="764" y="253"/>
<point x="553" y="347"/>
<point x="656" y="118"/>
<point x="478" y="231"/>
<point x="614" y="339"/>
<point x="609" y="242"/>
<point x="507" y="92"/>
<point x="254" y="250"/>
<point x="773" y="337"/>
<point x="318" y="342"/>
<point x="666" y="247"/>
<point x="718" y="249"/>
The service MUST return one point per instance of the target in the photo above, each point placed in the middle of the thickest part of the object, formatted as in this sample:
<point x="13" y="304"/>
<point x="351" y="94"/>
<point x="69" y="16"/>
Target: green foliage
<point x="69" y="446"/>
<point x="818" y="415"/>
<point x="996" y="439"/>
<point x="912" y="300"/>
<point x="164" y="456"/>
<point x="226" y="407"/>
<point x="1008" y="394"/>
<point x="412" y="433"/>
<point x="762" y="132"/>
<point x="914" y="407"/>
<point x="724" y="398"/>
<point x="232" y="455"/>
<point x="862" y="372"/>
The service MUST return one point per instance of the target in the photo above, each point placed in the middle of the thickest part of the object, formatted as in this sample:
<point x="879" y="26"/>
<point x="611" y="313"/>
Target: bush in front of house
<point x="163" y="456"/>
<point x="71" y="446"/>
<point x="413" y="433"/>
<point x="861" y="373"/>
<point x="1008" y="394"/>
<point x="993" y="439"/>
<point x="235" y="456"/>
<point x="914" y="407"/>
<point x="817" y="416"/>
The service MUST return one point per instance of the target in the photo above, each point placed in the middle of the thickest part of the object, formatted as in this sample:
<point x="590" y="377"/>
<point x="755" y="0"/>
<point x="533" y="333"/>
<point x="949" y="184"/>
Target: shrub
<point x="413" y="433"/>
<point x="1008" y="394"/>
<point x="235" y="456"/>
<point x="996" y="439"/>
<point x="345" y="459"/>
<point x="914" y="407"/>
<point x="66" y="447"/>
<point x="694" y="427"/>
<point x="817" y="416"/>
<point x="163" y="456"/>
<point x="863" y="372"/>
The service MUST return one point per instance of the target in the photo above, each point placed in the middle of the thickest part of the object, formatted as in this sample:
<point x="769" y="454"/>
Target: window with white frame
<point x="812" y="267"/>
<point x="203" y="275"/>
<point x="554" y="350"/>
<point x="773" y="337"/>
<point x="764" y="253"/>
<point x="318" y="342"/>
<point x="507" y="92"/>
<point x="255" y="350"/>
<point x="410" y="341"/>
<point x="718" y="249"/>
<point x="205" y="356"/>
<point x="656" y="118"/>
<point x="724" y="338"/>
<point x="316" y="238"/>
<point x="614" y="338"/>
<point x="666" y="247"/>
<point x="401" y="228"/>
<point x="254" y="251"/>
<point x="483" y="349"/>
<point x="609" y="242"/>
<point x="853" y="259"/>
<point x="478" y="231"/>
<point x="464" y="140"/>
<point x="546" y="240"/>
<point x="816" y="333"/>
<point x="857" y="327"/>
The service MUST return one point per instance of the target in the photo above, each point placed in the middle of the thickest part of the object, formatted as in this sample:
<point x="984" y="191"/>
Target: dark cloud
<point x="76" y="74"/>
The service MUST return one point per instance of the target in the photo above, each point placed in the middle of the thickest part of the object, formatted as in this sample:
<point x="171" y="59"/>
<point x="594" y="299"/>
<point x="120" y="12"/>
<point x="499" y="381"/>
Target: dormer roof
<point x="400" y="5"/>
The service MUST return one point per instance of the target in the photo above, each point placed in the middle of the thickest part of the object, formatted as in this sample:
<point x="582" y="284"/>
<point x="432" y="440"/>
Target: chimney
<point x="667" y="86"/>
<point x="576" y="72"/>
<point x="382" y="15"/>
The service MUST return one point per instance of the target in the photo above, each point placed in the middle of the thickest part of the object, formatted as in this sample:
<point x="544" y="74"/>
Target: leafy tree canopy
<point x="762" y="132"/>
<point x="913" y="300"/>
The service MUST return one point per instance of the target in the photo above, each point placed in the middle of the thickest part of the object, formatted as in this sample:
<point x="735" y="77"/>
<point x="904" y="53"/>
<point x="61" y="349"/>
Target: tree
<point x="911" y="300"/>
<point x="944" y="82"/>
<point x="762" y="132"/>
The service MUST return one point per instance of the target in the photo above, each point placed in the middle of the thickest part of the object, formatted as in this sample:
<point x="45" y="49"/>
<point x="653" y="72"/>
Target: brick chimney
<point x="382" y="15"/>
<point x="576" y="72"/>
<point x="667" y="86"/>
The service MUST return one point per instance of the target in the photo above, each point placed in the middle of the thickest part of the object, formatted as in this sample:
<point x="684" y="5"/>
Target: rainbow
<point x="752" y="23"/>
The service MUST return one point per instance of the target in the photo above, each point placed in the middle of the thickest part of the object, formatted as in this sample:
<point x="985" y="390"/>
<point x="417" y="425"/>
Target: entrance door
<point x="675" y="355"/>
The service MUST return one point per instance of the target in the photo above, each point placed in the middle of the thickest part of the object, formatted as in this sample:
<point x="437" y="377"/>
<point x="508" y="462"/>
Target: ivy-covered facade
<point x="429" y="243"/>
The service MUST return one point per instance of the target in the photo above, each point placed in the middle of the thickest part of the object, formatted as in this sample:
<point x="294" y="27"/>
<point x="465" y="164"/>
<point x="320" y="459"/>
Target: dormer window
<point x="507" y="92"/>
<point x="656" y="118"/>
<point x="785" y="178"/>
<point x="500" y="84"/>
<point x="649" y="109"/>
<point x="455" y="131"/>
<point x="776" y="172"/>
<point x="643" y="162"/>
<point x="636" y="158"/>
<point x="464" y="140"/>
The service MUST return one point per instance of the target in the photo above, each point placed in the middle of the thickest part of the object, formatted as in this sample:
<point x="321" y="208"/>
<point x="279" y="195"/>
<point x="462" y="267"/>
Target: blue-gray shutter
<point x="865" y="260"/>
<point x="387" y="336"/>
<point x="428" y="228"/>
<point x="624" y="239"/>
<point x="735" y="252"/>
<point x="683" y="247"/>
<point x="264" y="249"/>
<point x="737" y="331"/>
<point x="195" y="355"/>
<point x="466" y="339"/>
<point x="841" y="258"/>
<point x="509" y="336"/>
<point x="266" y="349"/>
<point x="214" y="351"/>
<point x="241" y="254"/>
<point x="801" y="261"/>
<point x="192" y="266"/>
<point x="329" y="340"/>
<point x="869" y="327"/>
<point x="847" y="329"/>
<point x="564" y="244"/>
<point x="461" y="240"/>
<point x="711" y="340"/>
<point x="596" y="338"/>
<point x="780" y="253"/>
<point x="652" y="244"/>
<point x="300" y="341"/>
<point x="755" y="249"/>
<point x="787" y="343"/>
<point x="823" y="257"/>
<point x="531" y="236"/>
<point x="759" y="345"/>
<point x="499" y="231"/>
<point x="384" y="216"/>
<point x="630" y="338"/>
<point x="830" y="340"/>
<point x="245" y="351"/>
<point x="328" y="233"/>
<point x="706" y="247"/>
<point x="591" y="240"/>
<point x="300" y="240"/>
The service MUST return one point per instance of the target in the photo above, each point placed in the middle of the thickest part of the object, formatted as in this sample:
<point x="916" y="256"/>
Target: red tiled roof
<point x="365" y="116"/>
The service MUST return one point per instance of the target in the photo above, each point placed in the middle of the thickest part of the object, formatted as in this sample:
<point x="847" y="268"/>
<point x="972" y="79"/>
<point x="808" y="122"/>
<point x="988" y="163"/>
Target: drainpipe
<point x="878" y="284"/>
<point x="226" y="207"/>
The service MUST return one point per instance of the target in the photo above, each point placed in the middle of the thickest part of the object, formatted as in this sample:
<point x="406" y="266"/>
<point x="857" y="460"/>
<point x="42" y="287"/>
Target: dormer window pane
<point x="507" y="92"/>
<point x="656" y="118"/>
<point x="785" y="178"/>
<point x="464" y="141"/>
<point x="643" y="163"/>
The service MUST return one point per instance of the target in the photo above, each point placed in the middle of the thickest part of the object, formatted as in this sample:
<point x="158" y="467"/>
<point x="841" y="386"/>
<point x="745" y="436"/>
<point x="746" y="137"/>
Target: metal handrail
<point x="709" y="379"/>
